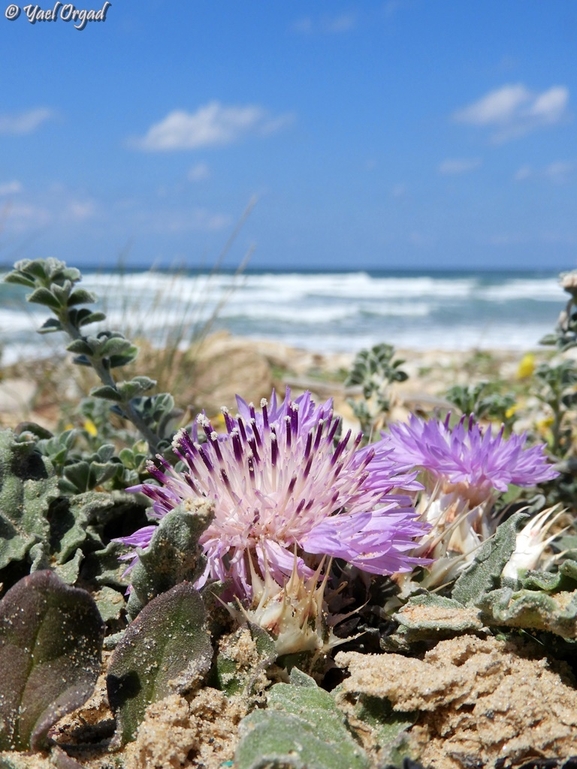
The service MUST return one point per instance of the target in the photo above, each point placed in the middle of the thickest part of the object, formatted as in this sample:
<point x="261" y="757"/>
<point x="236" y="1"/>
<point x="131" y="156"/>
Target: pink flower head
<point x="285" y="488"/>
<point x="476" y="462"/>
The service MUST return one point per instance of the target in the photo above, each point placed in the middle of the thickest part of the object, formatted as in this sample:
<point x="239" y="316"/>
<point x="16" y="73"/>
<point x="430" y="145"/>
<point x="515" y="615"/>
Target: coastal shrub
<point x="374" y="371"/>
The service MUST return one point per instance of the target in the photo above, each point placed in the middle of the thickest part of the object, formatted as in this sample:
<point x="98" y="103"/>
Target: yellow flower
<point x="90" y="427"/>
<point x="543" y="425"/>
<point x="512" y="410"/>
<point x="526" y="366"/>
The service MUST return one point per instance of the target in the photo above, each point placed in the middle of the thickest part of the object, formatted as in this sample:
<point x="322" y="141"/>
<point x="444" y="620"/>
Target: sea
<point x="318" y="310"/>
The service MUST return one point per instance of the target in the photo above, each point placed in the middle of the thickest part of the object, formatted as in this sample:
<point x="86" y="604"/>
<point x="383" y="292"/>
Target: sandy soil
<point x="478" y="700"/>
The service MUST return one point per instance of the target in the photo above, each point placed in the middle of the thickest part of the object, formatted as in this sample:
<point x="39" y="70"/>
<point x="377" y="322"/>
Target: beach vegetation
<point x="221" y="560"/>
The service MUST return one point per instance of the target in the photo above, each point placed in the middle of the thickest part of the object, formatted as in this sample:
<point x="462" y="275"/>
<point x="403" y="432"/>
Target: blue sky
<point x="393" y="134"/>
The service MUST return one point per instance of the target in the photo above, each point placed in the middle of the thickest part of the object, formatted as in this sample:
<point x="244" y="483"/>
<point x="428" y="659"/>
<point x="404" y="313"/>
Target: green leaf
<point x="80" y="346"/>
<point x="61" y="292"/>
<point x="135" y="387"/>
<point x="81" y="296"/>
<point x="110" y="602"/>
<point x="70" y="273"/>
<point x="38" y="268"/>
<point x="389" y="727"/>
<point x="430" y="616"/>
<point x="533" y="610"/>
<point x="108" y="393"/>
<point x="27" y="488"/>
<point x="484" y="574"/>
<point x="50" y="642"/>
<point x="19" y="279"/>
<point x="69" y="571"/>
<point x="173" y="554"/>
<point x="166" y="650"/>
<point x="72" y="522"/>
<point x="46" y="297"/>
<point x="302" y="728"/>
<point x="50" y="325"/>
<point x="84" y="316"/>
<point x="114" y="346"/>
<point x="82" y="360"/>
<point x="116" y="361"/>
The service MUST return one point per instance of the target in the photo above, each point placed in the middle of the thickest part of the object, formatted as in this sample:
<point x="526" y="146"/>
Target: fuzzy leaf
<point x="173" y="554"/>
<point x="485" y="572"/>
<point x="50" y="644"/>
<point x="27" y="487"/>
<point x="551" y="582"/>
<point x="19" y="279"/>
<point x="52" y="324"/>
<point x="302" y="728"/>
<point x="389" y="727"/>
<point x="82" y="360"/>
<point x="110" y="603"/>
<point x="116" y="345"/>
<point x="534" y="610"/>
<point x="74" y="520"/>
<point x="135" y="387"/>
<point x="107" y="392"/>
<point x="69" y="571"/>
<point x="105" y="568"/>
<point x="80" y="346"/>
<point x="166" y="650"/>
<point x="83" y="316"/>
<point x="427" y="617"/>
<point x="46" y="297"/>
<point x="115" y="361"/>
<point x="81" y="296"/>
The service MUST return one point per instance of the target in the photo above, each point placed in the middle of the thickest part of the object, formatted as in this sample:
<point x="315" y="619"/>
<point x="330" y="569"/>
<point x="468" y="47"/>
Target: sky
<point x="413" y="134"/>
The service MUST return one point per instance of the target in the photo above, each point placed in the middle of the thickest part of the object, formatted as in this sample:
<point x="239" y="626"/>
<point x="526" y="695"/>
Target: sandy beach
<point x="211" y="374"/>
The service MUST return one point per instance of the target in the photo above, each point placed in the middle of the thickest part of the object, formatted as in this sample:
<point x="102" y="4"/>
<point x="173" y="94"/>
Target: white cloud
<point x="399" y="190"/>
<point x="550" y="105"/>
<point x="54" y="206"/>
<point x="523" y="173"/>
<point x="199" y="172"/>
<point x="24" y="122"/>
<point x="454" y="166"/>
<point x="211" y="125"/>
<point x="338" y="24"/>
<point x="558" y="238"/>
<point x="11" y="188"/>
<point x="326" y="25"/>
<point x="514" y="110"/>
<point x="79" y="210"/>
<point x="21" y="217"/>
<point x="498" y="106"/>
<point x="559" y="171"/>
<point x="304" y="26"/>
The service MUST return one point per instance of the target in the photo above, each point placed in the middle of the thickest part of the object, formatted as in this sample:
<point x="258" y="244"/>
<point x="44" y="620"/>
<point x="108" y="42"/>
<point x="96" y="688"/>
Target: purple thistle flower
<point x="285" y="493"/>
<point x="466" y="458"/>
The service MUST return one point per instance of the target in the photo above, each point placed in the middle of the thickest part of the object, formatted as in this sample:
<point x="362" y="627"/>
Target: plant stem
<point x="107" y="379"/>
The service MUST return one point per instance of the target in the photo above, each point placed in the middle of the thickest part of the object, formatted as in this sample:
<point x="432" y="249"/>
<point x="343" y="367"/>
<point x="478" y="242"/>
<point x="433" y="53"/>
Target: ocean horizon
<point x="323" y="310"/>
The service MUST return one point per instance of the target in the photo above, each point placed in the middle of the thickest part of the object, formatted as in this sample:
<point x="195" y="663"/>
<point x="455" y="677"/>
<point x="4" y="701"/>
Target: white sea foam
<point x="539" y="291"/>
<point x="325" y="311"/>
